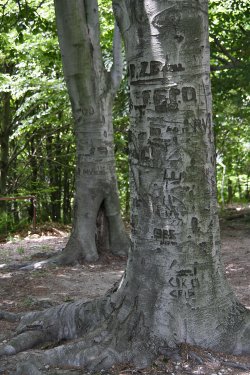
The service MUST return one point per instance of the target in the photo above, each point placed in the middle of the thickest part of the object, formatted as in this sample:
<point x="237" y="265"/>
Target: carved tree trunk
<point x="175" y="236"/>
<point x="174" y="289"/>
<point x="91" y="89"/>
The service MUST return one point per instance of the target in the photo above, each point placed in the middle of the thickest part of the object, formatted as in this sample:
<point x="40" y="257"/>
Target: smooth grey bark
<point x="174" y="289"/>
<point x="175" y="235"/>
<point x="91" y="89"/>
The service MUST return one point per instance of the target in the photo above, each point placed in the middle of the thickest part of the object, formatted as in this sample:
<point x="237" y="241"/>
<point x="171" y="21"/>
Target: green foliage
<point x="4" y="220"/>
<point x="8" y="224"/>
<point x="121" y="125"/>
<point x="120" y="109"/>
<point x="20" y="250"/>
<point x="230" y="51"/>
<point x="39" y="132"/>
<point x="107" y="27"/>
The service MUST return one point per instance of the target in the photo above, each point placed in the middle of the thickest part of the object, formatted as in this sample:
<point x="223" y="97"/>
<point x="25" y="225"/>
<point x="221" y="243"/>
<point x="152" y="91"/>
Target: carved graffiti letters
<point x="184" y="283"/>
<point x="155" y="132"/>
<point x="100" y="170"/>
<point x="164" y="104"/>
<point x="165" y="100"/>
<point x="172" y="176"/>
<point x="165" y="236"/>
<point x="131" y="71"/>
<point x="155" y="67"/>
<point x="188" y="94"/>
<point x="152" y="69"/>
<point x="146" y="97"/>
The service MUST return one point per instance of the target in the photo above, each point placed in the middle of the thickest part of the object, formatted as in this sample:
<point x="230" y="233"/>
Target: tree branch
<point x="224" y="50"/>
<point x="77" y="51"/>
<point x="221" y="59"/>
<point x="117" y="67"/>
<point x="246" y="32"/>
<point x="93" y="25"/>
<point x="217" y="68"/>
<point x="121" y="15"/>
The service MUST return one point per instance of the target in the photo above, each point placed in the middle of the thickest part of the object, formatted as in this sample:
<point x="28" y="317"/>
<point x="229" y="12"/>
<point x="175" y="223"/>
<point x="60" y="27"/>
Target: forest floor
<point x="42" y="288"/>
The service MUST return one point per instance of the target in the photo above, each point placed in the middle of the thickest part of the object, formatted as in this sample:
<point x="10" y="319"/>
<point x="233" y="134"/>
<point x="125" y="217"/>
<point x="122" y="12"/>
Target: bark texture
<point x="175" y="235"/>
<point x="91" y="89"/>
<point x="174" y="289"/>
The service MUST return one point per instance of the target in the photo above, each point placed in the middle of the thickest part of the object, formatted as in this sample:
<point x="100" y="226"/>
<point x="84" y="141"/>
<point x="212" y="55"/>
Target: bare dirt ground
<point x="36" y="290"/>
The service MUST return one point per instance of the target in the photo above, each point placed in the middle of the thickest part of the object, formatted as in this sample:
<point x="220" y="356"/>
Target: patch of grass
<point x="20" y="250"/>
<point x="39" y="273"/>
<point x="10" y="238"/>
<point x="68" y="299"/>
<point x="46" y="248"/>
<point x="28" y="301"/>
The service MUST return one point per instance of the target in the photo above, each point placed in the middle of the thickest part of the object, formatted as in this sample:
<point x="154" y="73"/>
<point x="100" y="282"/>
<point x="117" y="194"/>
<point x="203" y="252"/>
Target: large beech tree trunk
<point x="175" y="236"/>
<point x="91" y="89"/>
<point x="174" y="289"/>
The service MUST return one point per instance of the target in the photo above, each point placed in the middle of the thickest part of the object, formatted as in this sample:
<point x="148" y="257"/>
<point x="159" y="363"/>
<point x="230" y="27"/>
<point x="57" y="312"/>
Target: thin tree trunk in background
<point x="127" y="206"/>
<point x="247" y="195"/>
<point x="229" y="191"/>
<point x="5" y="132"/>
<point x="239" y="187"/>
<point x="5" y="128"/>
<point x="66" y="193"/>
<point x="57" y="179"/>
<point x="54" y="170"/>
<point x="41" y="159"/>
<point x="50" y="172"/>
<point x="34" y="171"/>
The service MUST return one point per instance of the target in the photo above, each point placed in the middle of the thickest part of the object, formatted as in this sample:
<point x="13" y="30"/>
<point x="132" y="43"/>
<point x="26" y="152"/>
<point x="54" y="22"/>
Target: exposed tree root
<point x="55" y="260"/>
<point x="95" y="352"/>
<point x="100" y="333"/>
<point x="10" y="317"/>
<point x="78" y="354"/>
<point x="97" y="349"/>
<point x="64" y="322"/>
